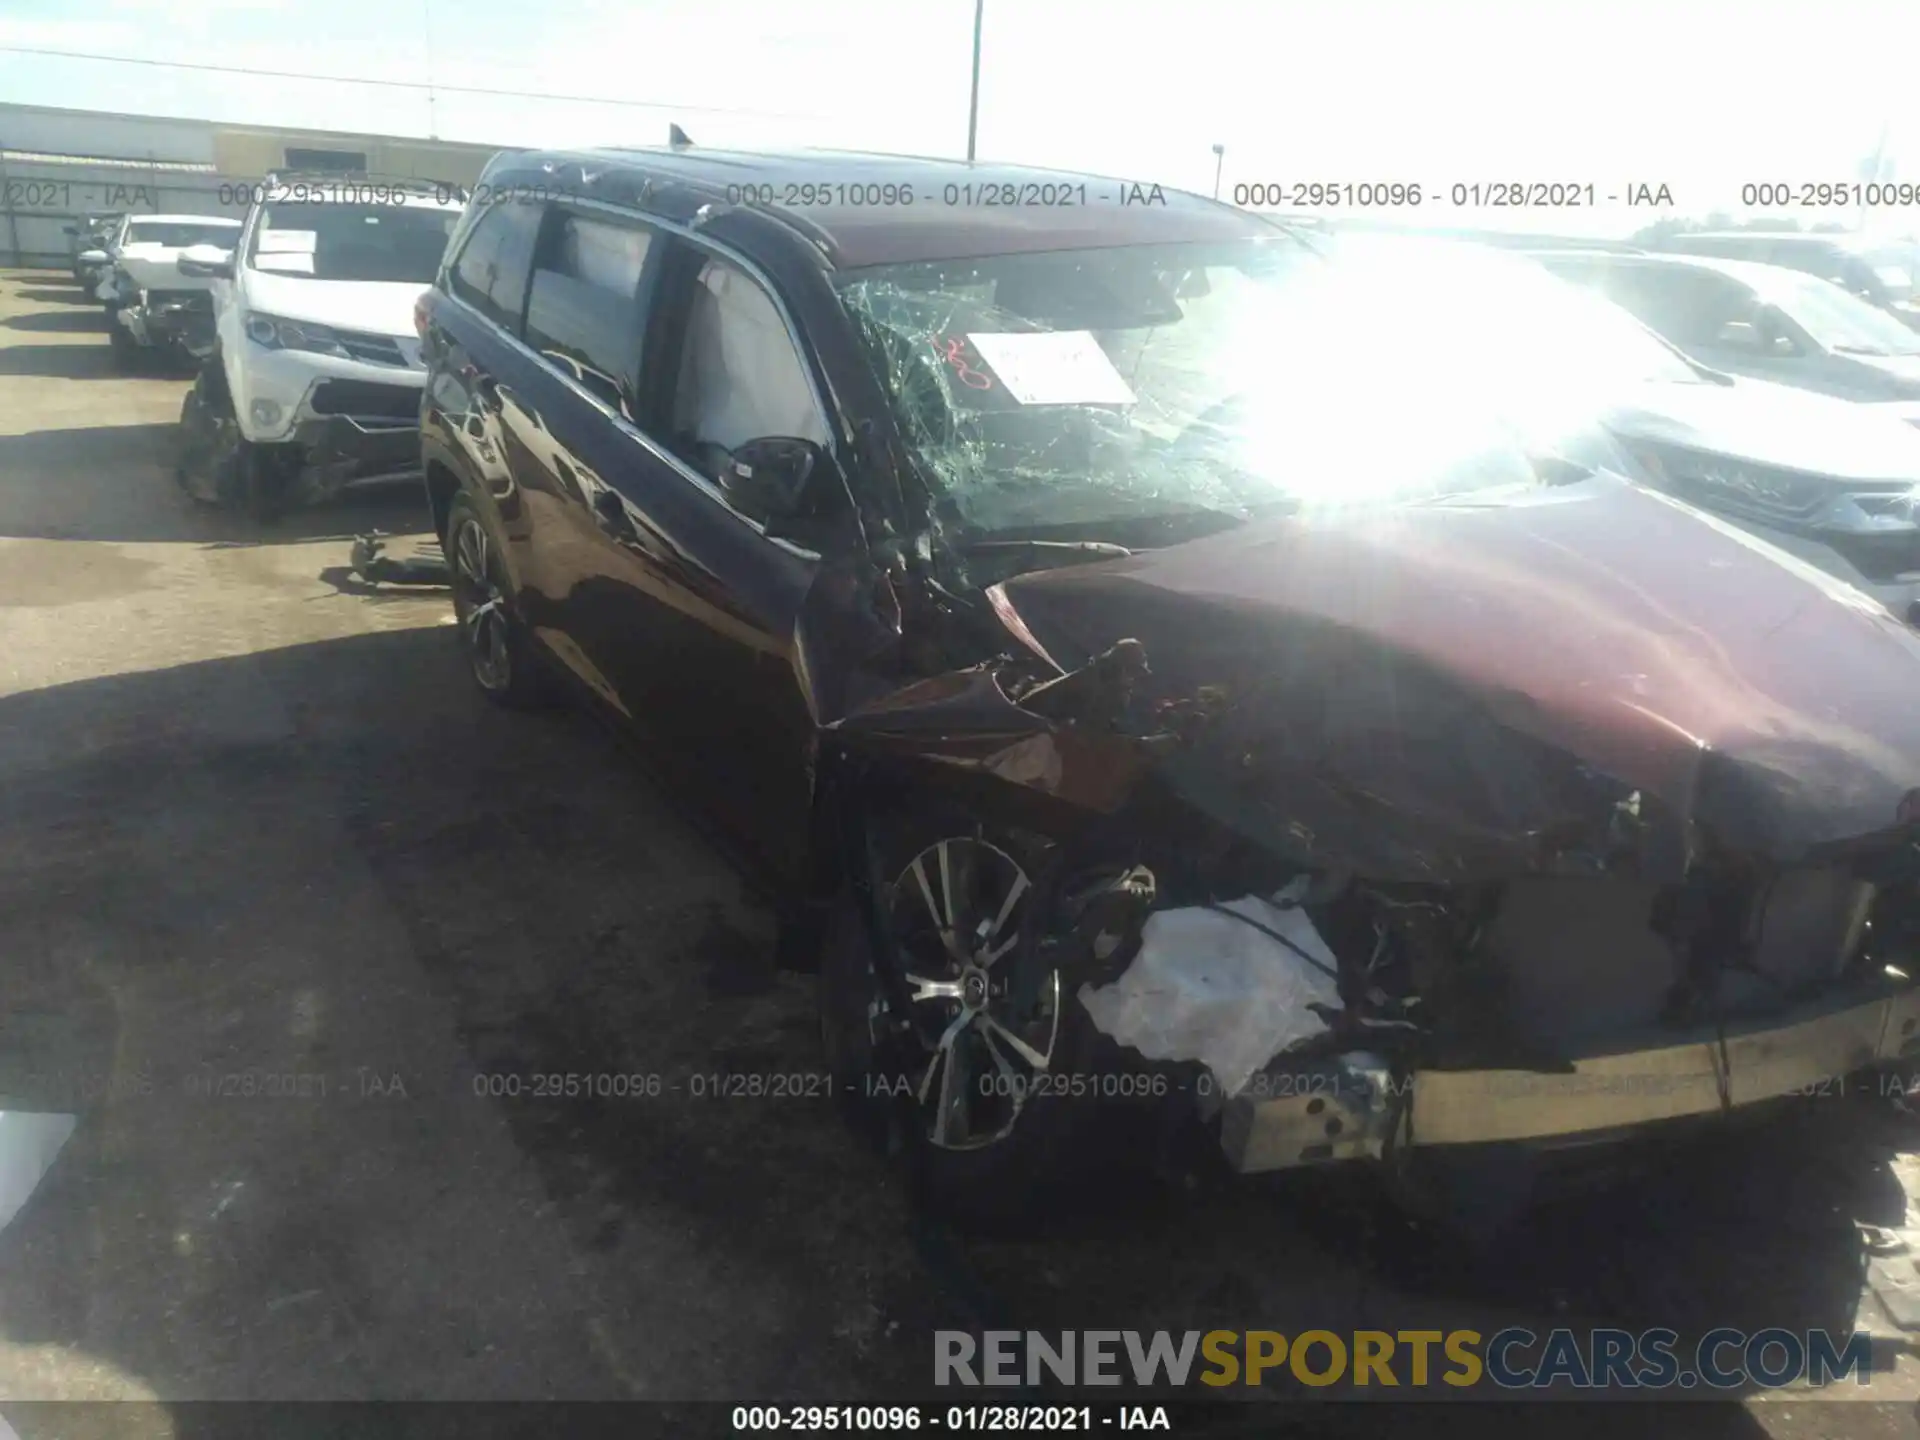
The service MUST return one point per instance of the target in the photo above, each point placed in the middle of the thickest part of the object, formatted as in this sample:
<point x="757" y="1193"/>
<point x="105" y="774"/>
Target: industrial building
<point x="56" y="165"/>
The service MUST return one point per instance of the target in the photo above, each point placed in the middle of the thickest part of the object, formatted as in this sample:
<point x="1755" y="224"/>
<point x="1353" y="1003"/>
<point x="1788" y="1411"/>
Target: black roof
<point x="864" y="209"/>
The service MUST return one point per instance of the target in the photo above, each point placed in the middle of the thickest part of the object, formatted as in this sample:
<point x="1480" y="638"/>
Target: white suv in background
<point x="150" y="304"/>
<point x="316" y="381"/>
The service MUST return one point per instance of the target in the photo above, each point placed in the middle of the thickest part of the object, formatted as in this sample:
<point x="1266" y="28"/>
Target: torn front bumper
<point x="184" y="320"/>
<point x="342" y="450"/>
<point x="1352" y="1107"/>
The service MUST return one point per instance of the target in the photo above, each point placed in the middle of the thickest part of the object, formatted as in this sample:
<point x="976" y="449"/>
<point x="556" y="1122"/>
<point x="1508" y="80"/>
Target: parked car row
<point x="1178" y="686"/>
<point x="150" y="305"/>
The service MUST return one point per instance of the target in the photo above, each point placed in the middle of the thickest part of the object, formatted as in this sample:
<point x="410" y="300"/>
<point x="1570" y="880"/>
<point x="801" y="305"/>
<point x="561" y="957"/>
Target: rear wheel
<point x="500" y="655"/>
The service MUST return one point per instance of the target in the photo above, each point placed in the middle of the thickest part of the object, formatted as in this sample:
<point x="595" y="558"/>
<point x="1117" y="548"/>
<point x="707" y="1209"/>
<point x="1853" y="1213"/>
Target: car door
<point x="566" y="421"/>
<point x="682" y="602"/>
<point x="476" y="364"/>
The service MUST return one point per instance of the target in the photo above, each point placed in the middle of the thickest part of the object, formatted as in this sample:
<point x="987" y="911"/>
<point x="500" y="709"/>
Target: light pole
<point x="973" y="105"/>
<point x="1219" y="159"/>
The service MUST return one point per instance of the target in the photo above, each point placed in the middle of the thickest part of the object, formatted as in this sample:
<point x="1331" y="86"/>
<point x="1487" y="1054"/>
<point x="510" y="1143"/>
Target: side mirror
<point x="93" y="257"/>
<point x="206" y="262"/>
<point x="69" y="229"/>
<point x="777" y="481"/>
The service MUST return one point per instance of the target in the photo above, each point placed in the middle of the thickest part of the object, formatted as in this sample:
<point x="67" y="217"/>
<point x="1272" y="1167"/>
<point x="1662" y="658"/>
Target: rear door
<point x="570" y="431"/>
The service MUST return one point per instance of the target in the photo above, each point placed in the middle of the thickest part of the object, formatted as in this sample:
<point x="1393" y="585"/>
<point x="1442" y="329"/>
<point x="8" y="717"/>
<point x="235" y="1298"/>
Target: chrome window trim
<point x="827" y="412"/>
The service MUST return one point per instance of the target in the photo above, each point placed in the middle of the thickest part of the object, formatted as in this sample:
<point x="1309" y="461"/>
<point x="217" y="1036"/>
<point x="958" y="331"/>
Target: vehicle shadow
<point x="74" y="294"/>
<point x="60" y="362"/>
<point x="115" y="483"/>
<point x="59" y="321"/>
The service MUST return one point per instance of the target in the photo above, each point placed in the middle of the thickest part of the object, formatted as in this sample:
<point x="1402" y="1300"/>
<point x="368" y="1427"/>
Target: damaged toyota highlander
<point x="1133" y="705"/>
<point x="315" y="382"/>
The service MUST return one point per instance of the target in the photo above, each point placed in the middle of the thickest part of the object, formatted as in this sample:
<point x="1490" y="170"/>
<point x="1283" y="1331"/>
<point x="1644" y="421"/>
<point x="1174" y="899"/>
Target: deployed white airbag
<point x="1209" y="987"/>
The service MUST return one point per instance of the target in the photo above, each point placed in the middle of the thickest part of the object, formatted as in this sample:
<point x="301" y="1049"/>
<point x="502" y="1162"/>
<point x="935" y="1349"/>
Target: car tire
<point x="127" y="354"/>
<point x="1061" y="1153"/>
<point x="501" y="655"/>
<point x="261" y="479"/>
<point x="207" y="436"/>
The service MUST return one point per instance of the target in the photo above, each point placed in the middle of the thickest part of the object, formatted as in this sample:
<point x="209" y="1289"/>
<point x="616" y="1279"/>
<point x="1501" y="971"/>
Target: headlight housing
<point x="270" y="332"/>
<point x="1720" y="482"/>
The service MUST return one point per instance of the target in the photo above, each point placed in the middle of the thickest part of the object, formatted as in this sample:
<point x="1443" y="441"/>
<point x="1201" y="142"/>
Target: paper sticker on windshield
<point x="294" y="242"/>
<point x="287" y="264"/>
<point x="1058" y="367"/>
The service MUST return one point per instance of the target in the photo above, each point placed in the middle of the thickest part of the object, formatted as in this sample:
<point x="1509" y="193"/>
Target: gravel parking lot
<point x="281" y="902"/>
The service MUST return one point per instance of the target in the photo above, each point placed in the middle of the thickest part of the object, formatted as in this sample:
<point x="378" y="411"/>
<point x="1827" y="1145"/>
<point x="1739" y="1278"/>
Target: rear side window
<point x="583" y="310"/>
<point x="491" y="273"/>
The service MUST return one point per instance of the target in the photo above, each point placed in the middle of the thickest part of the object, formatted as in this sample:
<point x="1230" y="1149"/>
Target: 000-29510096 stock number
<point x="1819" y="194"/>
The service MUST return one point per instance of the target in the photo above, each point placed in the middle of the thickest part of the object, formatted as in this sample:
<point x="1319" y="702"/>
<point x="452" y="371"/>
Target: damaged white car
<point x="151" y="305"/>
<point x="315" y="382"/>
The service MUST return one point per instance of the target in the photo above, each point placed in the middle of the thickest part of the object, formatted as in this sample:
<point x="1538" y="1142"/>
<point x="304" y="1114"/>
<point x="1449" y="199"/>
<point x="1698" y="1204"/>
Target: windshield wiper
<point x="1865" y="350"/>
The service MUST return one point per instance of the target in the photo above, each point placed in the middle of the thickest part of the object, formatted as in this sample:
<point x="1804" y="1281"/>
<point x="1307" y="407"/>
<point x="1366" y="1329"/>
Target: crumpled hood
<point x="373" y="307"/>
<point x="1767" y="424"/>
<point x="1458" y="689"/>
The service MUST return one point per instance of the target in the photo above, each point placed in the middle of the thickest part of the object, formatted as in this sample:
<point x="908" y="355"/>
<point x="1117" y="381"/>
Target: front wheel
<point x="127" y="354"/>
<point x="976" y="1066"/>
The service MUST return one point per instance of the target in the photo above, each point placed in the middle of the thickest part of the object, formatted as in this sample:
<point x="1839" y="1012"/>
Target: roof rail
<point x="807" y="229"/>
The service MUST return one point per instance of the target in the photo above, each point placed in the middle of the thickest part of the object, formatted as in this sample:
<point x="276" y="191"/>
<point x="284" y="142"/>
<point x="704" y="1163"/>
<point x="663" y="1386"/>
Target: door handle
<point x="611" y="516"/>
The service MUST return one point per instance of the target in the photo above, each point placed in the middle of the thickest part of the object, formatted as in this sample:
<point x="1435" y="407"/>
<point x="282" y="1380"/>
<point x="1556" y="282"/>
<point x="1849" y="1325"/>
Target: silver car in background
<point x="1763" y="321"/>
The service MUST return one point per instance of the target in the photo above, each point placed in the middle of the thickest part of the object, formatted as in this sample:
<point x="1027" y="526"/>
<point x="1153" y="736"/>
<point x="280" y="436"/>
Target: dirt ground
<point x="255" y="822"/>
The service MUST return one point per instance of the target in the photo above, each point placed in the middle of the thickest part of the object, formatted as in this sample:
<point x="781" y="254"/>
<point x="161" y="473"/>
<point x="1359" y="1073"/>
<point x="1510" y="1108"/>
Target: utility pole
<point x="426" y="22"/>
<point x="973" y="105"/>
<point x="1219" y="159"/>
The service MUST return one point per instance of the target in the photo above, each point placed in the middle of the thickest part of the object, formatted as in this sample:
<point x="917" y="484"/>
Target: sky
<point x="1701" y="96"/>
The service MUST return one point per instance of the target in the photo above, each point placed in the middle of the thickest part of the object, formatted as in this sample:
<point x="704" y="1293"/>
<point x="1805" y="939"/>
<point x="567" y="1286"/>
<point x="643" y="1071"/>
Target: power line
<point x="407" y="84"/>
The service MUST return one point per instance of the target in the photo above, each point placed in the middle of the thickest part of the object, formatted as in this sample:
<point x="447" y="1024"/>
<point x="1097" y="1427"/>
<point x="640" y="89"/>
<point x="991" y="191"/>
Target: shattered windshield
<point x="1070" y="388"/>
<point x="397" y="243"/>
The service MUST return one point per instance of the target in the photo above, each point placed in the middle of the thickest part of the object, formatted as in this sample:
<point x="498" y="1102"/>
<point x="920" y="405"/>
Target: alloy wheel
<point x="479" y="604"/>
<point x="984" y="1032"/>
